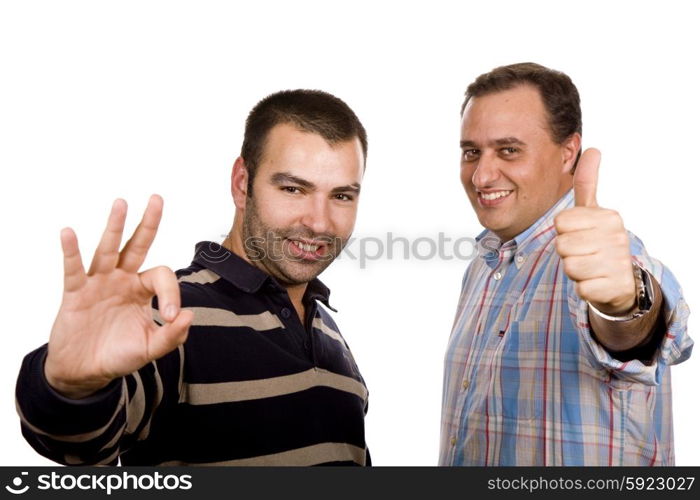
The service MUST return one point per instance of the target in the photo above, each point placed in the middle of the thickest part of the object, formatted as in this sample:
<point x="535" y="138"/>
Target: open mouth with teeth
<point x="493" y="198"/>
<point x="307" y="250"/>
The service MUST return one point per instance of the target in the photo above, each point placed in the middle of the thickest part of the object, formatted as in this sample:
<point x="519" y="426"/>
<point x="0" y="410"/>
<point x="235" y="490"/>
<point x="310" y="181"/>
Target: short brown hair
<point x="310" y="110"/>
<point x="558" y="93"/>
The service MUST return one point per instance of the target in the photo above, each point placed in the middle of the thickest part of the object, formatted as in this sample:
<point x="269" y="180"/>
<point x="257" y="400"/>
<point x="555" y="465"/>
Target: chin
<point x="295" y="274"/>
<point x="489" y="223"/>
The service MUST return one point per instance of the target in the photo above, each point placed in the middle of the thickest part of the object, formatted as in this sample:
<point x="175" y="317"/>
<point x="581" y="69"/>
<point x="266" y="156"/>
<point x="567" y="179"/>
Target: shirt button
<point x="519" y="259"/>
<point x="286" y="313"/>
<point x="453" y="441"/>
<point x="497" y="276"/>
<point x="465" y="383"/>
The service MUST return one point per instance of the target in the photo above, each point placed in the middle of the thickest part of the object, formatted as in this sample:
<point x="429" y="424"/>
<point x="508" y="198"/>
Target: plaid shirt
<point x="526" y="384"/>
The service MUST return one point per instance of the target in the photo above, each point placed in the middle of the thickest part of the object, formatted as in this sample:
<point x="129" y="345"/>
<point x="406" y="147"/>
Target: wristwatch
<point x="645" y="297"/>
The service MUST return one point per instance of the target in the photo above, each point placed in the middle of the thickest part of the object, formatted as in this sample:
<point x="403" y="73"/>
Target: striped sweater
<point x="252" y="385"/>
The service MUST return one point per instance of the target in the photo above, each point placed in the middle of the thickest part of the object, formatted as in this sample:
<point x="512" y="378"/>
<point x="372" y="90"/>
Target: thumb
<point x="167" y="337"/>
<point x="586" y="178"/>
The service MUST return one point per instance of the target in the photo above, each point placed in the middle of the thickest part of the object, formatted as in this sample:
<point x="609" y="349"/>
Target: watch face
<point x="643" y="289"/>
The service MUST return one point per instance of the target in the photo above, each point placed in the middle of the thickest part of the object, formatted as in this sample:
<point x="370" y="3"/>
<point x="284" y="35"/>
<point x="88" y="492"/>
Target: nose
<point x="317" y="215"/>
<point x="486" y="172"/>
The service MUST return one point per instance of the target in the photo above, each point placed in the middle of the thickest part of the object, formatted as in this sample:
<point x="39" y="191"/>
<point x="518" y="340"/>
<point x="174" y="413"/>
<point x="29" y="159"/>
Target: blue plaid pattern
<point x="526" y="384"/>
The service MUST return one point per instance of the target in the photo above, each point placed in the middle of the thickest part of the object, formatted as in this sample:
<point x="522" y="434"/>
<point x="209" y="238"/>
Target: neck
<point x="296" y="295"/>
<point x="234" y="243"/>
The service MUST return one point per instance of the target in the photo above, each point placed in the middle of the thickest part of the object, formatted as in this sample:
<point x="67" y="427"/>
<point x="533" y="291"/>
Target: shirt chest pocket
<point x="523" y="370"/>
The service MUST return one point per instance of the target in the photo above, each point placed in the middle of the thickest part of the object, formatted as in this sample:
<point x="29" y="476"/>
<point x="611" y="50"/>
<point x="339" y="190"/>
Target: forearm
<point x="64" y="430"/>
<point x="98" y="428"/>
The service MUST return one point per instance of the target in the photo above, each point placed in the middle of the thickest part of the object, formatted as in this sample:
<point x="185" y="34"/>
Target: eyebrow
<point x="507" y="141"/>
<point x="503" y="141"/>
<point x="281" y="178"/>
<point x="353" y="188"/>
<point x="285" y="178"/>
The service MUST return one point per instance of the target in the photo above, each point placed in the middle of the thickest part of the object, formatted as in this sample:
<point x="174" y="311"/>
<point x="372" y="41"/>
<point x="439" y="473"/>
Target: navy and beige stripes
<point x="252" y="385"/>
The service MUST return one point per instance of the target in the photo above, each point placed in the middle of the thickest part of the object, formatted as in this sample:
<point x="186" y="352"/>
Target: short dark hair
<point x="310" y="110"/>
<point x="558" y="93"/>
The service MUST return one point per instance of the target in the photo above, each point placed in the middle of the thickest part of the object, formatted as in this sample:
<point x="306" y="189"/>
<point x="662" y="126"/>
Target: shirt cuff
<point x="631" y="371"/>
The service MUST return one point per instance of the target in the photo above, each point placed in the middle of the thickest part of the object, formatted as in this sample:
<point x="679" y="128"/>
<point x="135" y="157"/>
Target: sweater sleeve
<point x="98" y="428"/>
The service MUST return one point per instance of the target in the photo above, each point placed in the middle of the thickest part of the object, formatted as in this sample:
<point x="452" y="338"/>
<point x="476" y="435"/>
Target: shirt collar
<point x="245" y="276"/>
<point x="493" y="250"/>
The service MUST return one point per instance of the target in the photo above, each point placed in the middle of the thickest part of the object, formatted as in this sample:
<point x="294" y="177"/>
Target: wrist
<point x="626" y="315"/>
<point x="71" y="389"/>
<point x="626" y="307"/>
<point x="634" y="307"/>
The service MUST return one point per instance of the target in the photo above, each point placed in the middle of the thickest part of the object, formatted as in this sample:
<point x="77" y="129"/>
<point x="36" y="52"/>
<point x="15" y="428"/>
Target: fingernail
<point x="170" y="312"/>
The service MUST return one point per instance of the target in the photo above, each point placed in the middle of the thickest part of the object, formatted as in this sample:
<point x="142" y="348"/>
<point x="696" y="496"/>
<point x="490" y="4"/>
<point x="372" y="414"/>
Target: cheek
<point x="466" y="174"/>
<point x="275" y="211"/>
<point x="343" y="219"/>
<point x="526" y="178"/>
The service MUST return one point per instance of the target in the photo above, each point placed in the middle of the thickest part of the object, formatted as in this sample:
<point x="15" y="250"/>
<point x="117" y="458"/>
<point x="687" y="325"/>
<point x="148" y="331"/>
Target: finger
<point x="596" y="291"/>
<point x="584" y="268"/>
<point x="162" y="282"/>
<point x="73" y="272"/>
<point x="585" y="242"/>
<point x="107" y="252"/>
<point x="134" y="252"/>
<point x="576" y="219"/>
<point x="164" y="339"/>
<point x="586" y="178"/>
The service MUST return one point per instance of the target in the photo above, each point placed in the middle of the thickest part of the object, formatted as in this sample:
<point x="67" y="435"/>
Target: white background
<point x="100" y="100"/>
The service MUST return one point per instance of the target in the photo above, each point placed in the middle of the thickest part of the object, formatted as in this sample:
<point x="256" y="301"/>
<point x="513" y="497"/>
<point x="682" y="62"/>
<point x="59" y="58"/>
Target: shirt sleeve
<point x="676" y="345"/>
<point x="98" y="428"/>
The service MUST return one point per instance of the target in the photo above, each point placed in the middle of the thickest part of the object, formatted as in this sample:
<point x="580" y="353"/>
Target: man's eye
<point x="509" y="150"/>
<point x="291" y="189"/>
<point x="343" y="197"/>
<point x="470" y="154"/>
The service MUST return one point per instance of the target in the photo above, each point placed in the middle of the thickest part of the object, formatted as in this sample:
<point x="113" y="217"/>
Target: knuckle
<point x="163" y="270"/>
<point x="559" y="222"/>
<point x="569" y="267"/>
<point x="614" y="218"/>
<point x="619" y="240"/>
<point x="624" y="239"/>
<point x="626" y="264"/>
<point x="559" y="243"/>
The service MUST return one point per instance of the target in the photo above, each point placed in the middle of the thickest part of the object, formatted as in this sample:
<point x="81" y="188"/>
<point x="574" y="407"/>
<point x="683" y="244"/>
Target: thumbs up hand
<point x="593" y="245"/>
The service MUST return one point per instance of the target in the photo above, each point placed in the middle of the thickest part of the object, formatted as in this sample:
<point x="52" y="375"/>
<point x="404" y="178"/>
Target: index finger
<point x="134" y="252"/>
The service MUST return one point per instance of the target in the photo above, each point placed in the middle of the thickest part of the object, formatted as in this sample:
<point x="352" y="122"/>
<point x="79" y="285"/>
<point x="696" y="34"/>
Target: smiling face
<point x="511" y="169"/>
<point x="303" y="206"/>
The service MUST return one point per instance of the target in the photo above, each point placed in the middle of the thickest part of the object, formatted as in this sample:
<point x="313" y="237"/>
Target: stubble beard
<point x="268" y="248"/>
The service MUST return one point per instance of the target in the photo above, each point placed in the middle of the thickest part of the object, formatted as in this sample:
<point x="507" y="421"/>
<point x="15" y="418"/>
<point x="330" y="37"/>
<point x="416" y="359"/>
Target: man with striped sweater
<point x="231" y="361"/>
<point x="566" y="328"/>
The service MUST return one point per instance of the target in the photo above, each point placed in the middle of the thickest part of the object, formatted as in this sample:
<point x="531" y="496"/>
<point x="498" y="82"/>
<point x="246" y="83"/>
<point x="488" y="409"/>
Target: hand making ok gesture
<point x="104" y="328"/>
